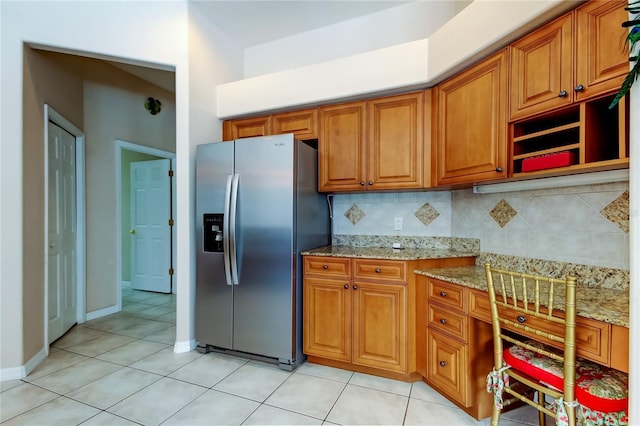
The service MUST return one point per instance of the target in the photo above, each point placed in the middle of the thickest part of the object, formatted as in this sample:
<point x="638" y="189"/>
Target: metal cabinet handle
<point x="370" y="182"/>
<point x="132" y="232"/>
<point x="355" y="287"/>
<point x="377" y="270"/>
<point x="346" y="286"/>
<point x="443" y="321"/>
<point x="325" y="266"/>
<point x="499" y="169"/>
<point x="443" y="363"/>
<point x="563" y="94"/>
<point x="521" y="319"/>
<point x="579" y="88"/>
<point x="362" y="183"/>
<point x="443" y="293"/>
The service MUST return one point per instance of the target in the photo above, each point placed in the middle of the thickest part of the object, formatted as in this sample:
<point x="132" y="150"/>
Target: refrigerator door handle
<point x="225" y="232"/>
<point x="232" y="224"/>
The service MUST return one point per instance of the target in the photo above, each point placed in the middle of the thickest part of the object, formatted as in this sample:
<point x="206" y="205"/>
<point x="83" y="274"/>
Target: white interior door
<point x="62" y="228"/>
<point x="150" y="227"/>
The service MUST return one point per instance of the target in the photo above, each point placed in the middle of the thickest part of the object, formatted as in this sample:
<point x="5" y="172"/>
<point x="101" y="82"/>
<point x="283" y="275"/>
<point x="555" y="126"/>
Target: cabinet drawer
<point x="479" y="306"/>
<point x="338" y="267"/>
<point x="448" y="321"/>
<point x="592" y="336"/>
<point x="394" y="270"/>
<point x="447" y="294"/>
<point x="446" y="366"/>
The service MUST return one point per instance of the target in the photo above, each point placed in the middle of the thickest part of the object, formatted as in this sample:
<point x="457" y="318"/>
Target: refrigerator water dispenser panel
<point x="212" y="228"/>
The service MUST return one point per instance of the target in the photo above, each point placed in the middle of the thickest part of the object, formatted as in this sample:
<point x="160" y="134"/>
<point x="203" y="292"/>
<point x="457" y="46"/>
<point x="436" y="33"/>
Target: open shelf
<point x="582" y="136"/>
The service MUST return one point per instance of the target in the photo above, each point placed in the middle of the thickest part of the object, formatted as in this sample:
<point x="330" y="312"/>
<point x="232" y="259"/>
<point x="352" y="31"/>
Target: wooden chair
<point x="534" y="322"/>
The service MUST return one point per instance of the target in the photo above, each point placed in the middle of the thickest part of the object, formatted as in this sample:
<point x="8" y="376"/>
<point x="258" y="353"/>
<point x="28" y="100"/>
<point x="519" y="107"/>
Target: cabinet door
<point x="395" y="141"/>
<point x="303" y="124"/>
<point x="380" y="326"/>
<point x="447" y="366"/>
<point x="602" y="55"/>
<point x="541" y="69"/>
<point x="341" y="151"/>
<point x="471" y="126"/>
<point x="327" y="318"/>
<point x="245" y="128"/>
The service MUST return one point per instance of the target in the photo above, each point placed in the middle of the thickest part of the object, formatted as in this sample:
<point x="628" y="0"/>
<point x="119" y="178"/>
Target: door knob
<point x="132" y="232"/>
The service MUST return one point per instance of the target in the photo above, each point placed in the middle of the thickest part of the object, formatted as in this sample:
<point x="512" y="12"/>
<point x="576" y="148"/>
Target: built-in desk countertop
<point x="602" y="304"/>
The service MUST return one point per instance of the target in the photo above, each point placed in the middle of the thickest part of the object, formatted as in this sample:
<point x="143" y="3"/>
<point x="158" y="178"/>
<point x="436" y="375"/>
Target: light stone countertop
<point x="387" y="253"/>
<point x="602" y="304"/>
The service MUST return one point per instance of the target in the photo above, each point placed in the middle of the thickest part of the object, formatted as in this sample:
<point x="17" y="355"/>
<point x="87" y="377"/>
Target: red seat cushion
<point x="597" y="387"/>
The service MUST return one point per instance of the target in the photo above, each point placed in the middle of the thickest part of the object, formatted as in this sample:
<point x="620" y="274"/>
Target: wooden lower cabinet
<point x="380" y="325"/>
<point x="458" y="349"/>
<point x="360" y="314"/>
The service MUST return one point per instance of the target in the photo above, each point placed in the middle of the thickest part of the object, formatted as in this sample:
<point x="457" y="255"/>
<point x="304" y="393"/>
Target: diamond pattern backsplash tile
<point x="427" y="214"/>
<point x="354" y="214"/>
<point x="617" y="211"/>
<point x="502" y="213"/>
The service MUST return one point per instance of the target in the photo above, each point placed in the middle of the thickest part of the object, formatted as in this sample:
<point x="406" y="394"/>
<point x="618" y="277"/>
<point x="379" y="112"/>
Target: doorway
<point x="64" y="226"/>
<point x="128" y="154"/>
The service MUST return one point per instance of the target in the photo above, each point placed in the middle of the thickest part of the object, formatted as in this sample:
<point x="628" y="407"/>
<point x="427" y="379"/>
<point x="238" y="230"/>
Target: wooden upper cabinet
<point x="395" y="142"/>
<point x="602" y="54"/>
<point x="470" y="132"/>
<point x="377" y="144"/>
<point x="341" y="150"/>
<point x="542" y="68"/>
<point x="303" y="124"/>
<point x="246" y="128"/>
<point x="580" y="55"/>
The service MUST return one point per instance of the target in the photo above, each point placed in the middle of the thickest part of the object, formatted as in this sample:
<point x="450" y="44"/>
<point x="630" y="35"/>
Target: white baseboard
<point x="17" y="373"/>
<point x="180" y="347"/>
<point x="102" y="312"/>
<point x="13" y="373"/>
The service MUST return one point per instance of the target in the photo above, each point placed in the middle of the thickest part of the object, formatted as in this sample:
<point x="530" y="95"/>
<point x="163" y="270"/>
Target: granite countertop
<point x="387" y="253"/>
<point x="602" y="304"/>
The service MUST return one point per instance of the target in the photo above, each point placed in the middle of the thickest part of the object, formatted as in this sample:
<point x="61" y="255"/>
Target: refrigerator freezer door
<point x="214" y="298"/>
<point x="263" y="299"/>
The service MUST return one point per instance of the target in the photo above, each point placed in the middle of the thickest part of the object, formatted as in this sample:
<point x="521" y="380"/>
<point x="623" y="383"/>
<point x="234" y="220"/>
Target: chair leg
<point x="495" y="416"/>
<point x="542" y="420"/>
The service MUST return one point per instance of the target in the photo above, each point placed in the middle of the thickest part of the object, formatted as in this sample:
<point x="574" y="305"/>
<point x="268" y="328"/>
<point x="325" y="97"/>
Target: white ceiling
<point x="252" y="22"/>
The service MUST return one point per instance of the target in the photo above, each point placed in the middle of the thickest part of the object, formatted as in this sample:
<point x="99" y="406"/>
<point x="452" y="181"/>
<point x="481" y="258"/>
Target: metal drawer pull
<point x="443" y="321"/>
<point x="521" y="319"/>
<point x="443" y="293"/>
<point x="325" y="266"/>
<point x="346" y="286"/>
<point x="355" y="287"/>
<point x="442" y="363"/>
<point x="377" y="270"/>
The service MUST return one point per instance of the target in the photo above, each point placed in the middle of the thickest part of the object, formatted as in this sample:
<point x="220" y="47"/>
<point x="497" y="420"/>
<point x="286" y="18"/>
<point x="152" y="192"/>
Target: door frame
<point x="52" y="115"/>
<point x="129" y="146"/>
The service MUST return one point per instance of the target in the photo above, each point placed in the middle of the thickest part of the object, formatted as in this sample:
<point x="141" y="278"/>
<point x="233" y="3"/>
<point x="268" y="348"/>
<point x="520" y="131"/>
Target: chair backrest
<point x="534" y="308"/>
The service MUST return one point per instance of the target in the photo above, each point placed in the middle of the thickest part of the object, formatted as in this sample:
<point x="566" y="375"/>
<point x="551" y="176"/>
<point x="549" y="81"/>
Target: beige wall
<point x="114" y="109"/>
<point x="107" y="104"/>
<point x="45" y="81"/>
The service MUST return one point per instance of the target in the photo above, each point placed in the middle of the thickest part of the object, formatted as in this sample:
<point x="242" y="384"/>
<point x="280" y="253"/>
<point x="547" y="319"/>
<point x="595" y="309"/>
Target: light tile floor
<point x="121" y="370"/>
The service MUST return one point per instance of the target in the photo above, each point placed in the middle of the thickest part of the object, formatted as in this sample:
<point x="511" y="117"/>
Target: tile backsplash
<point x="586" y="225"/>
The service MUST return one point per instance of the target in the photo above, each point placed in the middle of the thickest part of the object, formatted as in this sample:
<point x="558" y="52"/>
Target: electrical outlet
<point x="397" y="224"/>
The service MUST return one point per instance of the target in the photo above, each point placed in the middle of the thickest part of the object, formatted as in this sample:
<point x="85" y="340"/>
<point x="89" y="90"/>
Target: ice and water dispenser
<point x="212" y="224"/>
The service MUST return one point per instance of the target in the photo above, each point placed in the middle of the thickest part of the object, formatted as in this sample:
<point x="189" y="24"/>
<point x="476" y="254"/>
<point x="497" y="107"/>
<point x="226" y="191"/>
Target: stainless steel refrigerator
<point x="257" y="208"/>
